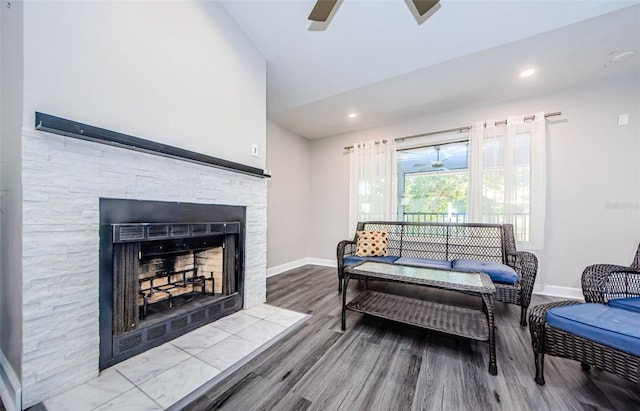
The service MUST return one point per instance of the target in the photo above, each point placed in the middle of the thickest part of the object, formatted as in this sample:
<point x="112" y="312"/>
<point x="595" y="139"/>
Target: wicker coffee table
<point x="459" y="321"/>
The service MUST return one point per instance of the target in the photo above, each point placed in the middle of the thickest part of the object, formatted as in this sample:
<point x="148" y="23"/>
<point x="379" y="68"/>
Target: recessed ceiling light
<point x="527" y="72"/>
<point x="622" y="56"/>
<point x="353" y="115"/>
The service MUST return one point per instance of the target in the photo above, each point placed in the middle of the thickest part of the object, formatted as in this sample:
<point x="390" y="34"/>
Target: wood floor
<point x="379" y="365"/>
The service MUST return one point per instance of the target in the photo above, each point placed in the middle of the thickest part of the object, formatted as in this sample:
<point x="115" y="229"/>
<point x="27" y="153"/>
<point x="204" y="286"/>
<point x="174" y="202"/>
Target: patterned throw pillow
<point x="371" y="243"/>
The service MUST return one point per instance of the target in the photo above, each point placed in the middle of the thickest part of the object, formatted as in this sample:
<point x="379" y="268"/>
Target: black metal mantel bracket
<point x="69" y="128"/>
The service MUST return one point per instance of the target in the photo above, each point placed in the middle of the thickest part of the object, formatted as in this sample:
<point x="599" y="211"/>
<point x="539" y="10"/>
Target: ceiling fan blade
<point x="322" y="10"/>
<point x="423" y="6"/>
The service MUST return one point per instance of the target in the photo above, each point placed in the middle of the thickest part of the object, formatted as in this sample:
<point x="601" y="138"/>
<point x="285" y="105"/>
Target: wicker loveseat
<point x="465" y="247"/>
<point x="603" y="332"/>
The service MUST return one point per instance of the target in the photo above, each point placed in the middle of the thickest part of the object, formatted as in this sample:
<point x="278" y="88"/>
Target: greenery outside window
<point x="433" y="183"/>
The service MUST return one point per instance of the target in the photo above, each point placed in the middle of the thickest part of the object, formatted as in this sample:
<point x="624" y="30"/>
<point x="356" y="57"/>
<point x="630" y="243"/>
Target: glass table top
<point x="423" y="273"/>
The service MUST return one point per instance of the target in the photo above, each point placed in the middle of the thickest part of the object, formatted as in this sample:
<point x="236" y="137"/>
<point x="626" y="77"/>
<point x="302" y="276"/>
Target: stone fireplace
<point x="66" y="183"/>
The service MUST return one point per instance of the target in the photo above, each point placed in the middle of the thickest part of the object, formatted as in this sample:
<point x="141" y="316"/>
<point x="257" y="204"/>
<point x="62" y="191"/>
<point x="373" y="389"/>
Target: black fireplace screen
<point x="160" y="280"/>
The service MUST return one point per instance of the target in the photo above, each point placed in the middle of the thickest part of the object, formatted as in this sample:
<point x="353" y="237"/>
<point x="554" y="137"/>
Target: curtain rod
<point x="460" y="129"/>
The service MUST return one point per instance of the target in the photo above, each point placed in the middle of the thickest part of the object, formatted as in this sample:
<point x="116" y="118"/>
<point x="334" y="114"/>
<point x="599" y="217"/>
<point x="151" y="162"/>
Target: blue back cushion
<point x="424" y="262"/>
<point x="351" y="260"/>
<point x="632" y="304"/>
<point x="613" y="327"/>
<point x="499" y="273"/>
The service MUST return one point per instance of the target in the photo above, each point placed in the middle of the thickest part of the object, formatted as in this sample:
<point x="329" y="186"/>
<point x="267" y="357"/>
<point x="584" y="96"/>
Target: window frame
<point x="422" y="142"/>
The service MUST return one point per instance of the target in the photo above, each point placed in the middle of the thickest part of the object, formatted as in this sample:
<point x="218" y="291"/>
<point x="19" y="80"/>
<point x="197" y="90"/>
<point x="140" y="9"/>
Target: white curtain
<point x="372" y="187"/>
<point x="508" y="176"/>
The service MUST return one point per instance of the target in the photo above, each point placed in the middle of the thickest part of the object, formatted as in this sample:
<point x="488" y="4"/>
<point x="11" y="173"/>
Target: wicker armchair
<point x="600" y="284"/>
<point x="604" y="282"/>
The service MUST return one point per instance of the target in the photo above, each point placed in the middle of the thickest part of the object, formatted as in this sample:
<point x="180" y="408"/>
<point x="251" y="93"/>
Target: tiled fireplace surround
<point x="63" y="179"/>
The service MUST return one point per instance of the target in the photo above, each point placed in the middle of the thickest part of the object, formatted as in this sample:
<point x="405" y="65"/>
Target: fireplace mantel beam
<point x="69" y="128"/>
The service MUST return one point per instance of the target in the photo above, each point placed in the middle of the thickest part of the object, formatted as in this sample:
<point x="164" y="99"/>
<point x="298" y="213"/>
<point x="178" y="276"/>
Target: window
<point x="496" y="175"/>
<point x="433" y="183"/>
<point x="486" y="179"/>
<point x="506" y="187"/>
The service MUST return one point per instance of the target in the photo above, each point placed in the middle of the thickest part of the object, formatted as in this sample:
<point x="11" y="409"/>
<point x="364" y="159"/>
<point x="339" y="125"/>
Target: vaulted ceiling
<point x="374" y="58"/>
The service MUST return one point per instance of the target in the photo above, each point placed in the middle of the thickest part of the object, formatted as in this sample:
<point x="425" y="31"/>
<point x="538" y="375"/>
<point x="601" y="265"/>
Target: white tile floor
<point x="162" y="376"/>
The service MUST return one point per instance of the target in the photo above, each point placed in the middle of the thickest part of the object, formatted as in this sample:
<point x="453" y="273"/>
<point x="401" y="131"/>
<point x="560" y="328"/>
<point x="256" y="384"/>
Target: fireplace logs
<point x="162" y="279"/>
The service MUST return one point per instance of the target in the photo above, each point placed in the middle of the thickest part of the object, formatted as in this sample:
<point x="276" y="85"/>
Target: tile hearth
<point x="163" y="376"/>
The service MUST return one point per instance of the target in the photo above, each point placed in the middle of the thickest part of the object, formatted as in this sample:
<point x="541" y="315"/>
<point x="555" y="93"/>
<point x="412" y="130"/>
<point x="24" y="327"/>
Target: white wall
<point x="11" y="194"/>
<point x="177" y="72"/>
<point x="593" y="171"/>
<point x="288" y="198"/>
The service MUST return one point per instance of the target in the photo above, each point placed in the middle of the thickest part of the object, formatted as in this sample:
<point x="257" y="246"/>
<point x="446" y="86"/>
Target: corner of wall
<point x="11" y="98"/>
<point x="10" y="388"/>
<point x="288" y="158"/>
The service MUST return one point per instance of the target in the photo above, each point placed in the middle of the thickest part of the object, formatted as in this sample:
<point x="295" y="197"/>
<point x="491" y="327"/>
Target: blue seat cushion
<point x="499" y="273"/>
<point x="351" y="260"/>
<point x="613" y="327"/>
<point x="632" y="303"/>
<point x="424" y="262"/>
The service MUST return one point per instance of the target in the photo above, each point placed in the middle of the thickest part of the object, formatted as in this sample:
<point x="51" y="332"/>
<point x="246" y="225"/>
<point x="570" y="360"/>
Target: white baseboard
<point x="10" y="389"/>
<point x="322" y="262"/>
<point x="279" y="269"/>
<point x="564" y="292"/>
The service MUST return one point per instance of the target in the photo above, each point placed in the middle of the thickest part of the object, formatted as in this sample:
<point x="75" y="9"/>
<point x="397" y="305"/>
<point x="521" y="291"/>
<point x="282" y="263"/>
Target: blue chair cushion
<point x="424" y="262"/>
<point x="632" y="303"/>
<point x="351" y="260"/>
<point x="499" y="273"/>
<point x="613" y="327"/>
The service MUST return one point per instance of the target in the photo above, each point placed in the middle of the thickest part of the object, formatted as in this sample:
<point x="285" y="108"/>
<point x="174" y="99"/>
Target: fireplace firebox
<point x="165" y="269"/>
